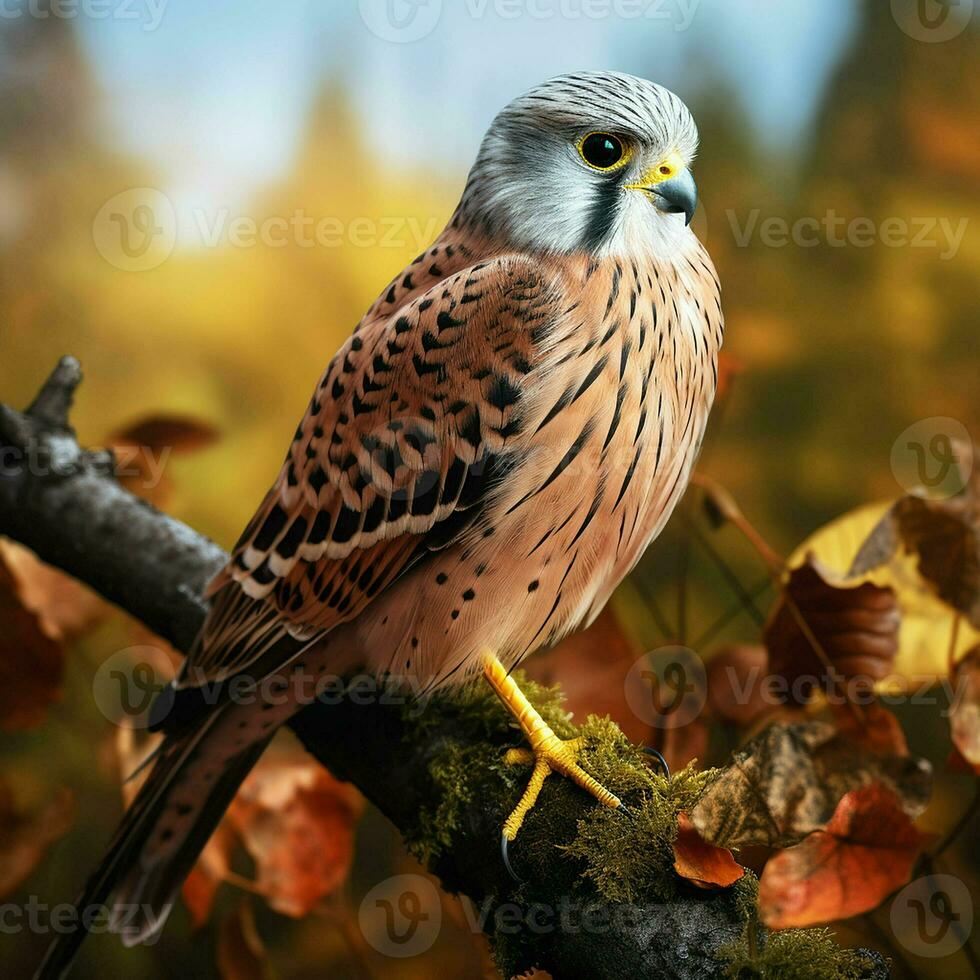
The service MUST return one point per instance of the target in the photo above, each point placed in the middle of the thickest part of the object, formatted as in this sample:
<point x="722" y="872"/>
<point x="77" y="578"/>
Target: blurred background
<point x="200" y="200"/>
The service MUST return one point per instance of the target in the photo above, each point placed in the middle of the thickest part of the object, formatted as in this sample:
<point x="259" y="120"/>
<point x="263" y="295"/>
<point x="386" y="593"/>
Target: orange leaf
<point x="177" y="433"/>
<point x="878" y="729"/>
<point x="297" y="822"/>
<point x="700" y="862"/>
<point x="865" y="853"/>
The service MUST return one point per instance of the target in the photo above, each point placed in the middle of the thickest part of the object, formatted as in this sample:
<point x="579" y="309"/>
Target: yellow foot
<point x="551" y="754"/>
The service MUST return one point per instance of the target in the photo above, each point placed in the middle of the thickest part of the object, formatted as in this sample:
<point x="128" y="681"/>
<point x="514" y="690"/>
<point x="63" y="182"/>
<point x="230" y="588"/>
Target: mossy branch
<point x="599" y="897"/>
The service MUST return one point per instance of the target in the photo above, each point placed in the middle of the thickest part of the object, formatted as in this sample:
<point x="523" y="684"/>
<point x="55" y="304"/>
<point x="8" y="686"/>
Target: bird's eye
<point x="603" y="151"/>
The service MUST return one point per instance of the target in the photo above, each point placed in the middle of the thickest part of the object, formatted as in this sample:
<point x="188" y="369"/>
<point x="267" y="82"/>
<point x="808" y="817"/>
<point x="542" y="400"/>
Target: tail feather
<point x="146" y="878"/>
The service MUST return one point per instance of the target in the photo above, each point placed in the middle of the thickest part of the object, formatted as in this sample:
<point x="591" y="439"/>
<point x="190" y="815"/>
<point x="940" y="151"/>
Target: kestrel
<point x="482" y="462"/>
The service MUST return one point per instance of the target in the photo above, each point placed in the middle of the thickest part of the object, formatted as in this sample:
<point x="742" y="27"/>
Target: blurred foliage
<point x="836" y="350"/>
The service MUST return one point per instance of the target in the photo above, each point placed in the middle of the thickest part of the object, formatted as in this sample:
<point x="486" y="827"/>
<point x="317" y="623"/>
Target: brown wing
<point x="408" y="432"/>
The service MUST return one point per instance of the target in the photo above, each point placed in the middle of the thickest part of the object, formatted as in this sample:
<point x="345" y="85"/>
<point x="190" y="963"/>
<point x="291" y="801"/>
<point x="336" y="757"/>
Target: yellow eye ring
<point x="604" y="152"/>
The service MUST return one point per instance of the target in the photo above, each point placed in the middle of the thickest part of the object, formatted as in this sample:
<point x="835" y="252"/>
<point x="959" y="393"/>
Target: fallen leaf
<point x="964" y="717"/>
<point x="787" y="782"/>
<point x="866" y="851"/>
<point x="702" y="863"/>
<point x="241" y="954"/>
<point x="25" y="838"/>
<point x="818" y="619"/>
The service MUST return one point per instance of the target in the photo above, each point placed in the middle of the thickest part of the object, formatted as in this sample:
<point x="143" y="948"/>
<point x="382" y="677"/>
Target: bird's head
<point x="595" y="162"/>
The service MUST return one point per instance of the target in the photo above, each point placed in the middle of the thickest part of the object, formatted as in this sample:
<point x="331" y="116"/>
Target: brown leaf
<point x="944" y="535"/>
<point x="865" y="853"/>
<point x="964" y="717"/>
<point x="241" y="954"/>
<point x="787" y="782"/>
<point x="24" y="838"/>
<point x="212" y="867"/>
<point x="876" y="729"/>
<point x="819" y="619"/>
<point x="702" y="863"/>
<point x="177" y="433"/>
<point x="65" y="608"/>
<point x="143" y="448"/>
<point x="31" y="662"/>
<point x="297" y="822"/>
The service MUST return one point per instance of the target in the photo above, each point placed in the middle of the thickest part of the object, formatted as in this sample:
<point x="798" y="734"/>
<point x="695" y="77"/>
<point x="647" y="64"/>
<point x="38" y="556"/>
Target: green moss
<point x="797" y="954"/>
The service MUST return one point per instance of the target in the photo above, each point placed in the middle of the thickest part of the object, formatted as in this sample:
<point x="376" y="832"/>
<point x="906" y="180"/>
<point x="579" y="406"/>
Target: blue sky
<point x="217" y="93"/>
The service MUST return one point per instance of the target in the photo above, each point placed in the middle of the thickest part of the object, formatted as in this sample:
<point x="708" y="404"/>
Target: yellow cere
<point x="667" y="169"/>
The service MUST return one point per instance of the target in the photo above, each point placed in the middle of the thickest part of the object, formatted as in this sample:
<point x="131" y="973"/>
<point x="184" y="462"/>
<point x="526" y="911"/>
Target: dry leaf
<point x="241" y="955"/>
<point x="944" y="535"/>
<point x="702" y="863"/>
<point x="297" y="822"/>
<point x="964" y="717"/>
<point x="876" y="728"/>
<point x="25" y="838"/>
<point x="65" y="608"/>
<point x="787" y="782"/>
<point x="855" y="627"/>
<point x="865" y="853"/>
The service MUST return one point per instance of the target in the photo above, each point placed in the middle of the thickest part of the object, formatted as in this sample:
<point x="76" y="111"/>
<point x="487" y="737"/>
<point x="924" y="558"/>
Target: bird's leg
<point x="548" y="752"/>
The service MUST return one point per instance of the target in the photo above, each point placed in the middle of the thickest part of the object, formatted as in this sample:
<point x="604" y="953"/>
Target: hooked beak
<point x="679" y="195"/>
<point x="671" y="186"/>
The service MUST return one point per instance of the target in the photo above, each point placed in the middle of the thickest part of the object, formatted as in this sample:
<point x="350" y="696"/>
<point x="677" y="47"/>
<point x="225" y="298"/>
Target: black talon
<point x="659" y="756"/>
<point x="624" y="811"/>
<point x="504" y="853"/>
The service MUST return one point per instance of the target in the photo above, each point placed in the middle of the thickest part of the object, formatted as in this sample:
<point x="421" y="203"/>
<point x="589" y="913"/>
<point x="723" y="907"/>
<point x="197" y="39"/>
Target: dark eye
<point x="602" y="150"/>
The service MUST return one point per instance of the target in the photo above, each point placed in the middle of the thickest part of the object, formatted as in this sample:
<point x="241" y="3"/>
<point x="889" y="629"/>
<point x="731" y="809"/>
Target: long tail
<point x="157" y="843"/>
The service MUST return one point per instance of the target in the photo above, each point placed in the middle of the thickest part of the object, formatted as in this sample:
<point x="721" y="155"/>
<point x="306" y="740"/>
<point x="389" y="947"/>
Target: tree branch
<point x="64" y="503"/>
